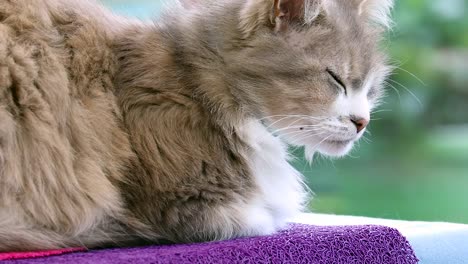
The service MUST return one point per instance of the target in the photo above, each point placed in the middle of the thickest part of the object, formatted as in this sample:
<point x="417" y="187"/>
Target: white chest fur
<point x="281" y="190"/>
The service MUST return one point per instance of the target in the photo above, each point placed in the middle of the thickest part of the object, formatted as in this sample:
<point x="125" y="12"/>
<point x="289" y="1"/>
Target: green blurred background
<point x="414" y="165"/>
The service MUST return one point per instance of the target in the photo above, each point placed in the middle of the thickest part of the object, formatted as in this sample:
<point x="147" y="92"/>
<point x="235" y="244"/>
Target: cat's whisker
<point x="412" y="74"/>
<point x="310" y="136"/>
<point x="358" y="143"/>
<point x="285" y="128"/>
<point x="303" y="131"/>
<point x="294" y="122"/>
<point x="298" y="140"/>
<point x="395" y="89"/>
<point x="307" y="133"/>
<point x="362" y="139"/>
<point x="284" y="118"/>
<point x="299" y="118"/>
<point x="318" y="118"/>
<point x="367" y="140"/>
<point x="297" y="133"/>
<point x="409" y="91"/>
<point x="320" y="143"/>
<point x="382" y="110"/>
<point x="295" y="116"/>
<point x="289" y="125"/>
<point x="272" y="116"/>
<point x="303" y="127"/>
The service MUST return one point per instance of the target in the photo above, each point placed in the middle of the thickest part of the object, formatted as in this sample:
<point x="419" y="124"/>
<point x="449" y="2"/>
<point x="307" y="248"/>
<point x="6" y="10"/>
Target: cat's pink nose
<point x="360" y="123"/>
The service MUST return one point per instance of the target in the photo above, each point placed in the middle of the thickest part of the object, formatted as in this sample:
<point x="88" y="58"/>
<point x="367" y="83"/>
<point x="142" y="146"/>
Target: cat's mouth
<point x="329" y="139"/>
<point x="336" y="147"/>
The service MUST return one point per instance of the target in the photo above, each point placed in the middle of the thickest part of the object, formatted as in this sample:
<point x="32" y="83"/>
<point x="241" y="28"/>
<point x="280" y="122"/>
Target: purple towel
<point x="298" y="244"/>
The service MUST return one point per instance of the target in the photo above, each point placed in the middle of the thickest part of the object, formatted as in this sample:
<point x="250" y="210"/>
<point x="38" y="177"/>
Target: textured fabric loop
<point x="297" y="244"/>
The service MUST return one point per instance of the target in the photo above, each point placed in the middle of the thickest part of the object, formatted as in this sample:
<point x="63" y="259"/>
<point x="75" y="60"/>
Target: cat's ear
<point x="286" y="12"/>
<point x="377" y="11"/>
<point x="253" y="14"/>
<point x="277" y="14"/>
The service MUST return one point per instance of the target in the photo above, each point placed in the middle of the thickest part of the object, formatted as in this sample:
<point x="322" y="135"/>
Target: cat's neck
<point x="190" y="56"/>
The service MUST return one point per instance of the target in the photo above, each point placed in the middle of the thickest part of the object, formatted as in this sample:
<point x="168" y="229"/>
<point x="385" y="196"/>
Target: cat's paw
<point x="260" y="221"/>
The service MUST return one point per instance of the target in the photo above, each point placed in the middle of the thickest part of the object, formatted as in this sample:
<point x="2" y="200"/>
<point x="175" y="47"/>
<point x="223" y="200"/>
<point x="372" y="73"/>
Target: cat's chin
<point x="334" y="149"/>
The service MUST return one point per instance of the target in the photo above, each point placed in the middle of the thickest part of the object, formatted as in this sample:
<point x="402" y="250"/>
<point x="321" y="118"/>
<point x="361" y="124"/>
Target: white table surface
<point x="433" y="242"/>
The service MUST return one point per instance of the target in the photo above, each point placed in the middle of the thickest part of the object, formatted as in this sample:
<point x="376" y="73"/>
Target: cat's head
<point x="313" y="68"/>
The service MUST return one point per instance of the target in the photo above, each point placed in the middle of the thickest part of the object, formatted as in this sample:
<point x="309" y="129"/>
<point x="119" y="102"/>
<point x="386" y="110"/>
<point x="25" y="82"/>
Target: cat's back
<point x="62" y="146"/>
<point x="74" y="38"/>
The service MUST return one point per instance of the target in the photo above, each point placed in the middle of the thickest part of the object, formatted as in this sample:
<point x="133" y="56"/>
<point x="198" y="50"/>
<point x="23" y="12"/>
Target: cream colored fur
<point x="115" y="132"/>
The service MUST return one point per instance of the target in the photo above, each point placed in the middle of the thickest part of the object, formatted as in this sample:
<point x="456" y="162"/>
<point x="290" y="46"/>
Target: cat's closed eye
<point x="373" y="93"/>
<point x="336" y="80"/>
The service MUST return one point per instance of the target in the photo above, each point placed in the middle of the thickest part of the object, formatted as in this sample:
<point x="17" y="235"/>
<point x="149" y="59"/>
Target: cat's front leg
<point x="198" y="183"/>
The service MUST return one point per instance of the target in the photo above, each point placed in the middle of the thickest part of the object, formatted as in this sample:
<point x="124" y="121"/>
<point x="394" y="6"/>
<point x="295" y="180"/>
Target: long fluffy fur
<point x="112" y="130"/>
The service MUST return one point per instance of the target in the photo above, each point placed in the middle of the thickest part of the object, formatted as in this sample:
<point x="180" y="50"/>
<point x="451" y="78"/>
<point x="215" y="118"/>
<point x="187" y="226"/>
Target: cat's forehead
<point x="349" y="52"/>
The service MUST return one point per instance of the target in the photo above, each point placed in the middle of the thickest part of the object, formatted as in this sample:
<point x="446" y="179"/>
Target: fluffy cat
<point x="114" y="130"/>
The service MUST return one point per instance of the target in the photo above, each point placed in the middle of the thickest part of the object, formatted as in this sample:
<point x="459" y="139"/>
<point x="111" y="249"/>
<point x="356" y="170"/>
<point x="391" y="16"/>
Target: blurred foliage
<point x="414" y="165"/>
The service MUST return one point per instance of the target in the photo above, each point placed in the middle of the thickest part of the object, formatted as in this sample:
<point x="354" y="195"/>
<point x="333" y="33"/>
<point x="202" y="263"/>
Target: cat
<point x="115" y="131"/>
